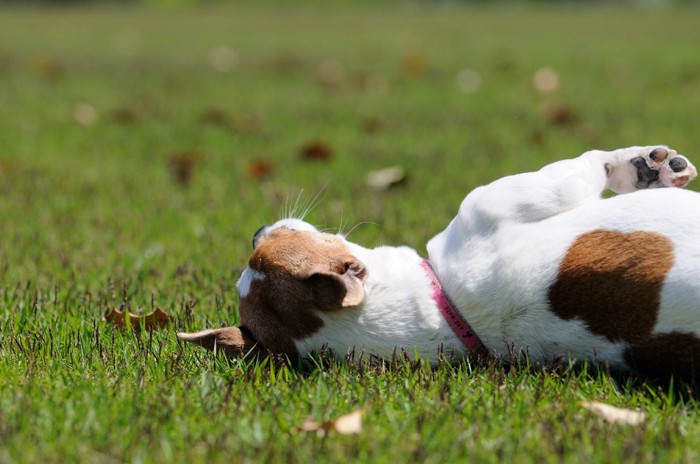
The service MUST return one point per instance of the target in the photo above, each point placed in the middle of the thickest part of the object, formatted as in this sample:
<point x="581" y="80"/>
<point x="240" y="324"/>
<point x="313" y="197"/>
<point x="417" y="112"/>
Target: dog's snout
<point x="258" y="235"/>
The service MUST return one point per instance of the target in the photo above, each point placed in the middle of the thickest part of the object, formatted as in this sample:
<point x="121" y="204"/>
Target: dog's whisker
<point x="299" y="208"/>
<point x="342" y="222"/>
<point x="313" y="203"/>
<point x="291" y="209"/>
<point x="356" y="226"/>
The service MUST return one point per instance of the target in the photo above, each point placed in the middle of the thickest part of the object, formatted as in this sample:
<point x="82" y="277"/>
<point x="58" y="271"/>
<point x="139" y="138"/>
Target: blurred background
<point x="143" y="142"/>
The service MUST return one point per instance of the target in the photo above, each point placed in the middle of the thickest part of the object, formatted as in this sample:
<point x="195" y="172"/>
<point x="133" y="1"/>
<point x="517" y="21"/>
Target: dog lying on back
<point x="536" y="262"/>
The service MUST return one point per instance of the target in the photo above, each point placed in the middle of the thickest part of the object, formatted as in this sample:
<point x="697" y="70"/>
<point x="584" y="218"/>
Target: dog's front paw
<point x="662" y="167"/>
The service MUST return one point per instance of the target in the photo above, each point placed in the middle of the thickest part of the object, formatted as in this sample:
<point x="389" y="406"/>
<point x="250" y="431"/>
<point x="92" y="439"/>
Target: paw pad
<point x="677" y="164"/>
<point x="663" y="167"/>
<point x="658" y="155"/>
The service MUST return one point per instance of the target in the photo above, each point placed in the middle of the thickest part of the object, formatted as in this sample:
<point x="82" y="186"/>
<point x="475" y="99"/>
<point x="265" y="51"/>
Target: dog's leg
<point x="563" y="185"/>
<point x="638" y="168"/>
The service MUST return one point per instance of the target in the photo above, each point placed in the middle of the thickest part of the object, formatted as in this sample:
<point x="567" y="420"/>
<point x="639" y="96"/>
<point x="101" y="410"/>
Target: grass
<point x="94" y="218"/>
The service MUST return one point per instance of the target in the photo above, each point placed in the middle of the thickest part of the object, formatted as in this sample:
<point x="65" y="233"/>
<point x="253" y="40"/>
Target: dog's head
<point x="294" y="275"/>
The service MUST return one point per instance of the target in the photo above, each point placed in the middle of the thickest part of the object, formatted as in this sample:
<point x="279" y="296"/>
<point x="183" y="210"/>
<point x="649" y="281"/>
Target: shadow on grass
<point x="515" y="369"/>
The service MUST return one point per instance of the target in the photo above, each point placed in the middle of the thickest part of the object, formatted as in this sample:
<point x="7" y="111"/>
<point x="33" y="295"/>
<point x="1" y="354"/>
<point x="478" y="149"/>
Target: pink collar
<point x="452" y="315"/>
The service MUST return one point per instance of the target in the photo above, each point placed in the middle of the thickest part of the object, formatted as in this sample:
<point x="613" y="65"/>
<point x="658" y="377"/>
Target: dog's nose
<point x="258" y="235"/>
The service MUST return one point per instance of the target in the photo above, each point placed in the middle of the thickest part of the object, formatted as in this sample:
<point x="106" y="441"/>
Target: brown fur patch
<point x="666" y="354"/>
<point x="612" y="281"/>
<point x="304" y="272"/>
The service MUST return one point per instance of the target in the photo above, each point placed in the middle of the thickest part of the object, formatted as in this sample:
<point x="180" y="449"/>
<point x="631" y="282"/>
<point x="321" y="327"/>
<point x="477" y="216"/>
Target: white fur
<point x="247" y="278"/>
<point x="390" y="314"/>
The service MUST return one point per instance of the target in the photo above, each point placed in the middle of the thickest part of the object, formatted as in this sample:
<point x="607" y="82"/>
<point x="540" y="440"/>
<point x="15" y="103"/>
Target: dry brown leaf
<point x="372" y="125"/>
<point x="216" y="117"/>
<point x="242" y="123"/>
<point x="349" y="424"/>
<point x="316" y="150"/>
<point x="125" y="115"/>
<point x="413" y="64"/>
<point x="259" y="170"/>
<point x="43" y="65"/>
<point x="182" y="165"/>
<point x="559" y="114"/>
<point x="156" y="319"/>
<point x="613" y="414"/>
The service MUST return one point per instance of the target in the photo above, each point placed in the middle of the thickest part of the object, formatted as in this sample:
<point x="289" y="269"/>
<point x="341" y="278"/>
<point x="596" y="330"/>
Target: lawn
<point x="141" y="148"/>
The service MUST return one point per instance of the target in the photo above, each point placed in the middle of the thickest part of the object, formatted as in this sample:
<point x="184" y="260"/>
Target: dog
<point x="536" y="263"/>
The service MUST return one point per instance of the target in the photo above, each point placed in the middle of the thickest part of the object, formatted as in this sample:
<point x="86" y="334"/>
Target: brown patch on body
<point x="304" y="272"/>
<point x="612" y="281"/>
<point x="666" y="354"/>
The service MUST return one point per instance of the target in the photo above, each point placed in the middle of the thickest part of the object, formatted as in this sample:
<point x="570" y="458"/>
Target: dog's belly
<point x="588" y="283"/>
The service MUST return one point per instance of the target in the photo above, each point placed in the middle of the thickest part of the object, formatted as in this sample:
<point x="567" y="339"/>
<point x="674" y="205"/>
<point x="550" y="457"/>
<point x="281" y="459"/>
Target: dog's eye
<point x="256" y="236"/>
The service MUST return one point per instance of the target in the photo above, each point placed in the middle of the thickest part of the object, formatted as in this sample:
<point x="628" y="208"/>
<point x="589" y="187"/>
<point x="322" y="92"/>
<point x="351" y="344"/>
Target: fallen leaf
<point x="384" y="179"/>
<point x="156" y="319"/>
<point x="349" y="424"/>
<point x="43" y="65"/>
<point x="216" y="117"/>
<point x="316" y="150"/>
<point x="546" y="81"/>
<point x="242" y="123"/>
<point x="614" y="415"/>
<point x="258" y="170"/>
<point x="413" y="64"/>
<point x="182" y="164"/>
<point x="560" y="114"/>
<point x="124" y="115"/>
<point x="7" y="166"/>
<point x="84" y="114"/>
<point x="372" y="125"/>
<point x="537" y="138"/>
<point x="285" y="62"/>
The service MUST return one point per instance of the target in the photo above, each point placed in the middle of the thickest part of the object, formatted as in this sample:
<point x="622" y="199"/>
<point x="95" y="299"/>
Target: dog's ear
<point x="341" y="283"/>
<point x="232" y="341"/>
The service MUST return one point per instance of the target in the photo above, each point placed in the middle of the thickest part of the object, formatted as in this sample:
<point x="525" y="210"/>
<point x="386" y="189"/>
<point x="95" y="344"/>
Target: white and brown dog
<point x="535" y="263"/>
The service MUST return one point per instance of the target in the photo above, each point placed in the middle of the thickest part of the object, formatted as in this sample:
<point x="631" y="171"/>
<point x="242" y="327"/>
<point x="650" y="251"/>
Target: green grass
<point x="93" y="218"/>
